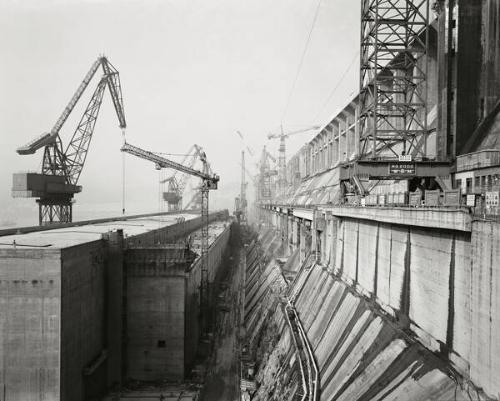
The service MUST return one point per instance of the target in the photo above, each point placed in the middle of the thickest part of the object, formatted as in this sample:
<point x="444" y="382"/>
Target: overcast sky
<point x="191" y="72"/>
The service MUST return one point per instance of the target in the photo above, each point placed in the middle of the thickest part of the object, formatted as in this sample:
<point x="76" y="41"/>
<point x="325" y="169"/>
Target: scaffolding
<point x="393" y="79"/>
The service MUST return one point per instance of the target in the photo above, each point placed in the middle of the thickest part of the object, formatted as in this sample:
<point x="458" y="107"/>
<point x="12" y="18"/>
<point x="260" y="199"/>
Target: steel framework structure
<point x="393" y="78"/>
<point x="55" y="204"/>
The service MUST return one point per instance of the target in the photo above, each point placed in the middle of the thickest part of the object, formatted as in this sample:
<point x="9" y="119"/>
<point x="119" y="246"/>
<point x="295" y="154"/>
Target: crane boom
<point x="288" y="133"/>
<point x="166" y="163"/>
<point x="50" y="138"/>
<point x="209" y="181"/>
<point x="76" y="96"/>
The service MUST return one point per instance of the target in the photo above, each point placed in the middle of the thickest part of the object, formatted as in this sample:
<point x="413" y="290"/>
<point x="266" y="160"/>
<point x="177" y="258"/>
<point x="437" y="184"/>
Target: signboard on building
<point x="492" y="199"/>
<point x="452" y="197"/>
<point x="471" y="200"/>
<point x="320" y="224"/>
<point x="432" y="198"/>
<point x="415" y="198"/>
<point x="402" y="168"/>
<point x="405" y="158"/>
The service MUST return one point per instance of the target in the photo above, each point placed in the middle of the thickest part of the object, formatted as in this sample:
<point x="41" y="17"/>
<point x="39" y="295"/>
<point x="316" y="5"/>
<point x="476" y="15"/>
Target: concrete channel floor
<point x="222" y="381"/>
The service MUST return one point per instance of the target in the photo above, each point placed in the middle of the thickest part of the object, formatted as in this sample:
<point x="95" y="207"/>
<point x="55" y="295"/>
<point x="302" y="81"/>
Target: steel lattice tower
<point x="393" y="78"/>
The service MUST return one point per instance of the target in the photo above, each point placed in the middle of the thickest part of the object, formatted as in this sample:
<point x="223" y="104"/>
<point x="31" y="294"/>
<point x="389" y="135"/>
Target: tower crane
<point x="57" y="183"/>
<point x="264" y="192"/>
<point x="176" y="183"/>
<point x="282" y="152"/>
<point x="241" y="201"/>
<point x="209" y="182"/>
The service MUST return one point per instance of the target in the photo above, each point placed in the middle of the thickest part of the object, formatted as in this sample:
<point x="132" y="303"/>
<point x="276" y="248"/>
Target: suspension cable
<point x="301" y="62"/>
<point x="123" y="175"/>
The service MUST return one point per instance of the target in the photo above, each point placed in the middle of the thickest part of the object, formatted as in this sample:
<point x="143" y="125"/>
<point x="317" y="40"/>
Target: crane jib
<point x="211" y="180"/>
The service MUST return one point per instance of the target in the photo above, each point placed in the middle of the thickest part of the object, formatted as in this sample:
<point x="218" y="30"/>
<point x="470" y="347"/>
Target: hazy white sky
<point x="191" y="72"/>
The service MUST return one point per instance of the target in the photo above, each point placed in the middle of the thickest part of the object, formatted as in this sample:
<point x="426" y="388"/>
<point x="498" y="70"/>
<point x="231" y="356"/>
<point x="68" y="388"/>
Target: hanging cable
<point x="351" y="64"/>
<point x="123" y="175"/>
<point x="160" y="204"/>
<point x="301" y="62"/>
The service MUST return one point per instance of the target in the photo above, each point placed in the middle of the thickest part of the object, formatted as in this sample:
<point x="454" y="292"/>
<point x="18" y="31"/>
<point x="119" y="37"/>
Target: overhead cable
<point x="351" y="64"/>
<point x="301" y="62"/>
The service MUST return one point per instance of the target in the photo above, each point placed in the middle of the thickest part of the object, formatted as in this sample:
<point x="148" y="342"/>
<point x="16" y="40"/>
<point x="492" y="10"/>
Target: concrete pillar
<point x="346" y="139"/>
<point x="314" y="238"/>
<point x="356" y="132"/>
<point x="341" y="145"/>
<point x="335" y="142"/>
<point x="330" y="146"/>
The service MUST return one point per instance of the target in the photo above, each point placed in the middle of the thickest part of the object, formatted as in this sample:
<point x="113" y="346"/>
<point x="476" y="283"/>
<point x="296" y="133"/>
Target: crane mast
<point x="241" y="201"/>
<point x="61" y="168"/>
<point x="209" y="182"/>
<point x="282" y="153"/>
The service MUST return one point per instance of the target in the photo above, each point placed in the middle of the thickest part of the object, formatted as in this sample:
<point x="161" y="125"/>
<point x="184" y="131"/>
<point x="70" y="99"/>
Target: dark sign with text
<point x="402" y="168"/>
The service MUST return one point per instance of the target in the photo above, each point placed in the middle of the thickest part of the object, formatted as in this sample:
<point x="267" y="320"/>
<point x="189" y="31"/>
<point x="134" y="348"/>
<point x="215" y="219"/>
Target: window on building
<point x="468" y="185"/>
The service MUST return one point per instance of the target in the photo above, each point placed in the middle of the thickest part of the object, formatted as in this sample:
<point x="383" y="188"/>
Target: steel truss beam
<point x="393" y="78"/>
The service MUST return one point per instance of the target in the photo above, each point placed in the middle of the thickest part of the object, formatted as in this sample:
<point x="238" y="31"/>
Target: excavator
<point x="57" y="183"/>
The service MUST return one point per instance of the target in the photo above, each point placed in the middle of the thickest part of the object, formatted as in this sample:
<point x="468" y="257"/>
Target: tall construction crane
<point x="241" y="201"/>
<point x="209" y="182"/>
<point x="264" y="192"/>
<point x="249" y="149"/>
<point x="282" y="135"/>
<point x="176" y="183"/>
<point x="57" y="183"/>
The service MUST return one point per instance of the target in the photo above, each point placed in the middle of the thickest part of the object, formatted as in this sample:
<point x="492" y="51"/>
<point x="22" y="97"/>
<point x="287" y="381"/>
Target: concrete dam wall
<point x="391" y="312"/>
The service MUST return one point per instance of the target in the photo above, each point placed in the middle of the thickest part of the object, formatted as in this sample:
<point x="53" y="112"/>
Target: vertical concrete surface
<point x="114" y="307"/>
<point x="155" y="309"/>
<point x="83" y="324"/>
<point x="30" y="303"/>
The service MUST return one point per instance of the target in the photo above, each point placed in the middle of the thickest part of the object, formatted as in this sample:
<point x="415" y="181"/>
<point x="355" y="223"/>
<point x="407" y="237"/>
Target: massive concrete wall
<point x="30" y="318"/>
<point x="61" y="315"/>
<point x="82" y="319"/>
<point x="362" y="353"/>
<point x="192" y="294"/>
<point x="442" y="285"/>
<point x="432" y="291"/>
<point x="174" y="232"/>
<point x="478" y="338"/>
<point x="155" y="293"/>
